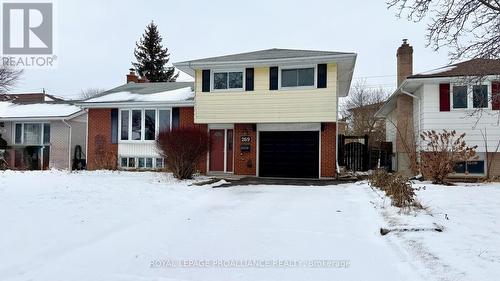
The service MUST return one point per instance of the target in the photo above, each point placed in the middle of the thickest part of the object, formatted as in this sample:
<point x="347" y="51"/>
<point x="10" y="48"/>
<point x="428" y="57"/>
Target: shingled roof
<point x="474" y="67"/>
<point x="269" y="54"/>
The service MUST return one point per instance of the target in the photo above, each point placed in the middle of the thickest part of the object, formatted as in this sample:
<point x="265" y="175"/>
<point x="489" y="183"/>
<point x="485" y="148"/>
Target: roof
<point x="167" y="92"/>
<point x="269" y="54"/>
<point x="474" y="67"/>
<point x="28" y="97"/>
<point x="9" y="110"/>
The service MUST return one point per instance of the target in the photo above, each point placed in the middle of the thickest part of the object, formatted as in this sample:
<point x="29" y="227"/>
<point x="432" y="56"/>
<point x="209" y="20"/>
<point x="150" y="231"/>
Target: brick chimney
<point x="132" y="77"/>
<point x="404" y="57"/>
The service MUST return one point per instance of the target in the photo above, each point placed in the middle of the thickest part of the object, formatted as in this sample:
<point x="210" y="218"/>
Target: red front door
<point x="216" y="150"/>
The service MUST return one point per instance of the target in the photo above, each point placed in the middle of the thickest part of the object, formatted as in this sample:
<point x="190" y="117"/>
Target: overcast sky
<point x="96" y="39"/>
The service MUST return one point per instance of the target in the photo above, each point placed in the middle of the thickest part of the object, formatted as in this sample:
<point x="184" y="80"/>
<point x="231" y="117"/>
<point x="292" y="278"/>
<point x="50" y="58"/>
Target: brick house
<point x="463" y="97"/>
<point x="123" y="122"/>
<point x="271" y="113"/>
<point x="40" y="132"/>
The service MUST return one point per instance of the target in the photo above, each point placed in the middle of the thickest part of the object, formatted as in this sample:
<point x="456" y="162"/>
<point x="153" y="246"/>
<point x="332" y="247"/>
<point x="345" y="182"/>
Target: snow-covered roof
<point x="9" y="110"/>
<point x="166" y="92"/>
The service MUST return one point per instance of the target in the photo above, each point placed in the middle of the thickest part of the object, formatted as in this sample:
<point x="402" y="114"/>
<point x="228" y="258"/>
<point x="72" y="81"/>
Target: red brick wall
<point x="328" y="150"/>
<point x="186" y="119"/>
<point x="99" y="139"/>
<point x="245" y="162"/>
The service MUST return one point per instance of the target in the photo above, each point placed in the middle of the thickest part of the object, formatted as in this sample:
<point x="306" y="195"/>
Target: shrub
<point x="104" y="157"/>
<point x="396" y="186"/>
<point x="441" y="152"/>
<point x="183" y="148"/>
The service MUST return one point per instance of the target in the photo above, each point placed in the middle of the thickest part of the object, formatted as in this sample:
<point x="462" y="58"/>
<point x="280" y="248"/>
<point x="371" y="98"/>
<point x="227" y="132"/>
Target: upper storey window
<point x="297" y="77"/>
<point x="224" y="80"/>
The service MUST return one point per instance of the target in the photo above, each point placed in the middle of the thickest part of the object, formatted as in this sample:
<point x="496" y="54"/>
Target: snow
<point x="136" y="225"/>
<point x="182" y="94"/>
<point x="438" y="70"/>
<point x="12" y="110"/>
<point x="115" y="225"/>
<point x="469" y="246"/>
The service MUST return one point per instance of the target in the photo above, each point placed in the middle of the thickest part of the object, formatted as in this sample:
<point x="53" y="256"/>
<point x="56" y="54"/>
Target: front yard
<point x="140" y="226"/>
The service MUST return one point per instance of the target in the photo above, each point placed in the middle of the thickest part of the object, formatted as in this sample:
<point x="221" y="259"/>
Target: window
<point x="124" y="124"/>
<point x="19" y="134"/>
<point x="143" y="124"/>
<point x="480" y="96"/>
<point x="149" y="163"/>
<point x="159" y="163"/>
<point x="149" y="124"/>
<point x="32" y="133"/>
<point x="141" y="163"/>
<point x="131" y="162"/>
<point x="46" y="133"/>
<point x="459" y="96"/>
<point x="123" y="162"/>
<point x="297" y="77"/>
<point x="136" y="124"/>
<point x="228" y="80"/>
<point x="469" y="167"/>
<point x="164" y="120"/>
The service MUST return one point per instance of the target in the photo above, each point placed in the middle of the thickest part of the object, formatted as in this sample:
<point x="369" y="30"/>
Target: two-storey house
<point x="271" y="113"/>
<point x="464" y="97"/>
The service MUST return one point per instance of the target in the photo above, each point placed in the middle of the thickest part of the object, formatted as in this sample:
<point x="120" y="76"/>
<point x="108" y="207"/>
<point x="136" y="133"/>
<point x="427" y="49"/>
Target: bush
<point x="183" y="149"/>
<point x="441" y="152"/>
<point x="396" y="186"/>
<point x="104" y="157"/>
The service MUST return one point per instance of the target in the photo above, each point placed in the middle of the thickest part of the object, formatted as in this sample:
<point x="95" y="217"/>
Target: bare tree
<point x="359" y="108"/>
<point x="8" y="78"/>
<point x="90" y="93"/>
<point x="470" y="28"/>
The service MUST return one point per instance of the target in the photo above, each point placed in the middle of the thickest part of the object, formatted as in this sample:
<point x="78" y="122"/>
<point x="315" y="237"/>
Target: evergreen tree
<point x="152" y="57"/>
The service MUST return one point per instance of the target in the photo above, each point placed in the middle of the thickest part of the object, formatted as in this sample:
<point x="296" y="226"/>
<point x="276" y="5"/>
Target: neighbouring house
<point x="271" y="113"/>
<point x="41" y="132"/>
<point x="464" y="97"/>
<point x="362" y="121"/>
<point x="123" y="122"/>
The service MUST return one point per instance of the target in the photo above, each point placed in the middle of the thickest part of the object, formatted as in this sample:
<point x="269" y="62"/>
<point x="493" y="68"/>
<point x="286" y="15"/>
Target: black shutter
<point x="114" y="125"/>
<point x="175" y="117"/>
<point x="249" y="79"/>
<point x="205" y="80"/>
<point x="321" y="75"/>
<point x="273" y="78"/>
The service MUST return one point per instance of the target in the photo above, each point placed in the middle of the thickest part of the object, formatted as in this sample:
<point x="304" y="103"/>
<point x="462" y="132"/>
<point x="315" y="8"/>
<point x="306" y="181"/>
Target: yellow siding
<point x="265" y="106"/>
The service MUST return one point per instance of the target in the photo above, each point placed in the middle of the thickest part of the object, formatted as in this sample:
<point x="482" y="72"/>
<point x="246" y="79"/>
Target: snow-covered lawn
<point x="136" y="226"/>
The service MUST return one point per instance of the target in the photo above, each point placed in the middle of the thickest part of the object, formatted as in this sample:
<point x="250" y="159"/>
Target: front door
<point x="216" y="163"/>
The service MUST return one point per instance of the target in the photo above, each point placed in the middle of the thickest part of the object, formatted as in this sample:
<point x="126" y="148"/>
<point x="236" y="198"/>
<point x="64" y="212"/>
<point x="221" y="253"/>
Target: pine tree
<point x="152" y="57"/>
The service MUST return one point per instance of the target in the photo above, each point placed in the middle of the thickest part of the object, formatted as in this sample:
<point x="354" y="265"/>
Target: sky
<point x="95" y="39"/>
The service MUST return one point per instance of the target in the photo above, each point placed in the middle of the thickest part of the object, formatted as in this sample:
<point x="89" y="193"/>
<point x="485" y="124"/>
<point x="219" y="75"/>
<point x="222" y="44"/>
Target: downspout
<point x="69" y="144"/>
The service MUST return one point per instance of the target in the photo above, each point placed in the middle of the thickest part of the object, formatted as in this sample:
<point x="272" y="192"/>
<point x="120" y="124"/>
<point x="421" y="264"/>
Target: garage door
<point x="289" y="154"/>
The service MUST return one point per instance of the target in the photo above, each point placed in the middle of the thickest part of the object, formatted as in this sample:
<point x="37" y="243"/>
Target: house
<point x="271" y="113"/>
<point x="40" y="132"/>
<point x="123" y="122"/>
<point x="463" y="97"/>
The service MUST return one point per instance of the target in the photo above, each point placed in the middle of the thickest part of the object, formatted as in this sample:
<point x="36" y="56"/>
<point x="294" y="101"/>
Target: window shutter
<point x="114" y="125"/>
<point x="175" y="118"/>
<point x="321" y="76"/>
<point x="205" y="80"/>
<point x="249" y="79"/>
<point x="495" y="95"/>
<point x="273" y="78"/>
<point x="444" y="97"/>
